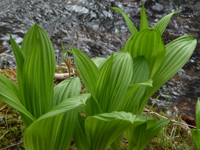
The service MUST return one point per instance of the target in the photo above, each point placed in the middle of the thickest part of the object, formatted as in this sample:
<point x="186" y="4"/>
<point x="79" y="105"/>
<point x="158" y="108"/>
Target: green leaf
<point x="153" y="49"/>
<point x="29" y="40"/>
<point x="178" y="53"/>
<point x="139" y="82"/>
<point x="92" y="107"/>
<point x="131" y="90"/>
<point x="142" y="134"/>
<point x="51" y="133"/>
<point x="115" y="145"/>
<point x="19" y="57"/>
<point x="196" y="137"/>
<point x="89" y="74"/>
<point x="143" y="21"/>
<point x="66" y="105"/>
<point x="197" y="112"/>
<point x="114" y="80"/>
<point x="99" y="61"/>
<point x="65" y="89"/>
<point x="54" y="130"/>
<point x="80" y="135"/>
<point x="87" y="70"/>
<point x="102" y="130"/>
<point x="38" y="72"/>
<point x="162" y="24"/>
<point x="9" y="93"/>
<point x="131" y="26"/>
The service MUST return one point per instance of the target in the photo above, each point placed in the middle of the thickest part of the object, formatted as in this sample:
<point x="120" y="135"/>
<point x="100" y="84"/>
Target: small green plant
<point x="41" y="106"/>
<point x="196" y="132"/>
<point x="127" y="79"/>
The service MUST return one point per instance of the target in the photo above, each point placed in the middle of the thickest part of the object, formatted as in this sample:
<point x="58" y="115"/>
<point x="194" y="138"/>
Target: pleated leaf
<point x="38" y="73"/>
<point x="114" y="80"/>
<point x="130" y="102"/>
<point x="66" y="105"/>
<point x="87" y="69"/>
<point x="115" y="145"/>
<point x="143" y="21"/>
<point x="53" y="130"/>
<point x="102" y="130"/>
<point x="51" y="133"/>
<point x="178" y="53"/>
<point x="89" y="74"/>
<point x="66" y="89"/>
<point x="99" y="61"/>
<point x="148" y="43"/>
<point x="19" y="57"/>
<point x="129" y="23"/>
<point x="9" y="93"/>
<point x="162" y="24"/>
<point x="92" y="107"/>
<point x="196" y="137"/>
<point x="197" y="112"/>
<point x="142" y="134"/>
<point x="80" y="135"/>
<point x="29" y="40"/>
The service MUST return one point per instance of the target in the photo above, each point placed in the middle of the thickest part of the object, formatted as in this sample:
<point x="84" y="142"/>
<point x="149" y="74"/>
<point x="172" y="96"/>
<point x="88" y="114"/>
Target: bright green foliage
<point x="141" y="135"/>
<point x="47" y="112"/>
<point x="108" y="127"/>
<point x="196" y="132"/>
<point x="143" y="58"/>
<point x="131" y="26"/>
<point x="163" y="61"/>
<point x="118" y="87"/>
<point x="153" y="49"/>
<point x="143" y="21"/>
<point x="162" y="24"/>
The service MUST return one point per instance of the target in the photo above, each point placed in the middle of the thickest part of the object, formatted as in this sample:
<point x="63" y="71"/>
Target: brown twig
<point x="8" y="147"/>
<point x="174" y="121"/>
<point x="3" y="107"/>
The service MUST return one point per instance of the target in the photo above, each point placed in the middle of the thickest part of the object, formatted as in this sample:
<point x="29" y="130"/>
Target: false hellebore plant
<point x="118" y="87"/>
<point x="127" y="79"/>
<point x="50" y="113"/>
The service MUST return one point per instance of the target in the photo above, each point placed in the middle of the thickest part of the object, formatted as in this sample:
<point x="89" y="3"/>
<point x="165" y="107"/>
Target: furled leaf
<point x="129" y="23"/>
<point x="89" y="74"/>
<point x="87" y="69"/>
<point x="66" y="105"/>
<point x="65" y="89"/>
<point x="80" y="135"/>
<point x="19" y="57"/>
<point x="142" y="134"/>
<point x="51" y="133"/>
<point x="162" y="24"/>
<point x="178" y="53"/>
<point x="114" y="80"/>
<point x="29" y="40"/>
<point x="131" y="90"/>
<point x="47" y="131"/>
<point x="101" y="130"/>
<point x="38" y="73"/>
<point x="115" y="145"/>
<point x="138" y="88"/>
<point x="98" y="61"/>
<point x="148" y="43"/>
<point x="92" y="107"/>
<point x="9" y="93"/>
<point x="143" y="21"/>
<point x="197" y="112"/>
<point x="196" y="137"/>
